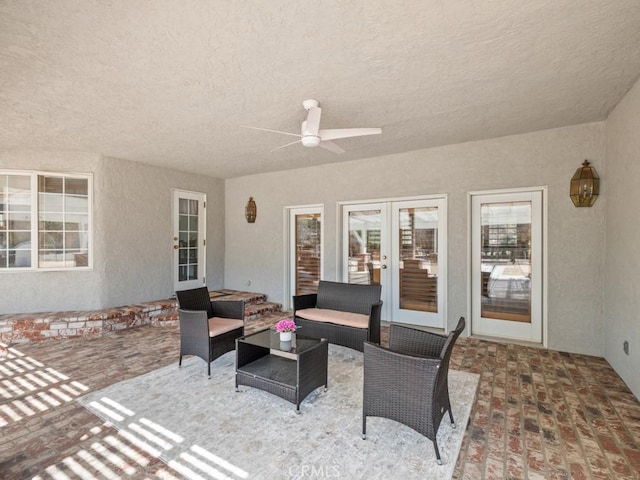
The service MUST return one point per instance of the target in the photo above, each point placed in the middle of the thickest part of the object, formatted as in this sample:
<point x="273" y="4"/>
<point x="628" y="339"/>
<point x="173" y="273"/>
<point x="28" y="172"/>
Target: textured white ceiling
<point x="170" y="82"/>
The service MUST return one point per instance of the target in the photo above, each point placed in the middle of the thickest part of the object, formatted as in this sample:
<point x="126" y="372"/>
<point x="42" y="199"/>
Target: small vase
<point x="285" y="336"/>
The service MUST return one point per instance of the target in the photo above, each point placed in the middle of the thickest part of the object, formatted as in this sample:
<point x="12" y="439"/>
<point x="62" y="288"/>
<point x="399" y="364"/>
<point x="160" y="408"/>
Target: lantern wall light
<point x="250" y="211"/>
<point x="585" y="186"/>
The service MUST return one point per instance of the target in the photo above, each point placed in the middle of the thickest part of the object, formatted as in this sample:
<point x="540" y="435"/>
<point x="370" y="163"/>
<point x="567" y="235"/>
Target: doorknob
<point x="383" y="267"/>
<point x="176" y="247"/>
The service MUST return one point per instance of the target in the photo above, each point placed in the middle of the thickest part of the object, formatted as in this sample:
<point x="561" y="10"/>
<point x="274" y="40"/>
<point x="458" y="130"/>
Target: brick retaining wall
<point x="31" y="327"/>
<point x="34" y="327"/>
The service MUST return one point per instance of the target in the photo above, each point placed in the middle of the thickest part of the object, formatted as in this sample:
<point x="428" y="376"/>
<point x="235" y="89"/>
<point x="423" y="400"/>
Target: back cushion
<point x="347" y="297"/>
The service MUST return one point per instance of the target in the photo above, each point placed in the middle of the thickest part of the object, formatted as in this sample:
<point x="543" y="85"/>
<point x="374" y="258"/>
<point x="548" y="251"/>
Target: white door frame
<point x="385" y="248"/>
<point x="544" y="252"/>
<point x="426" y="319"/>
<point x="201" y="279"/>
<point x="289" y="241"/>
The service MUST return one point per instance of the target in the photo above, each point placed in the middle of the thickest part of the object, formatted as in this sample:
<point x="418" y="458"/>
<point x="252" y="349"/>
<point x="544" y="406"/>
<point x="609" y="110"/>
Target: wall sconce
<point x="250" y="211"/>
<point x="585" y="186"/>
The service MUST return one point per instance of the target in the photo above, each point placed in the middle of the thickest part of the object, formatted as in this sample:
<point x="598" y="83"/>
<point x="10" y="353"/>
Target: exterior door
<point x="419" y="262"/>
<point x="189" y="227"/>
<point x="365" y="247"/>
<point x="402" y="246"/>
<point x="305" y="229"/>
<point x="507" y="265"/>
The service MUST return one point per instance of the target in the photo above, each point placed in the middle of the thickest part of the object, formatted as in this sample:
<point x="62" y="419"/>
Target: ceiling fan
<point x="312" y="136"/>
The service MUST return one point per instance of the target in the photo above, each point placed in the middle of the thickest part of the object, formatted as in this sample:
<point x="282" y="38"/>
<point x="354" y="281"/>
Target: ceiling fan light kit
<point x="311" y="136"/>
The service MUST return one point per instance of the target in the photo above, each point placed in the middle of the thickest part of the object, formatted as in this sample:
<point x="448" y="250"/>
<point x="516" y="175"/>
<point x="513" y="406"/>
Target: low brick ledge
<point x="33" y="327"/>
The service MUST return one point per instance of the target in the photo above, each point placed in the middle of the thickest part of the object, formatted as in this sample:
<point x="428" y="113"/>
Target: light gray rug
<point x="203" y="429"/>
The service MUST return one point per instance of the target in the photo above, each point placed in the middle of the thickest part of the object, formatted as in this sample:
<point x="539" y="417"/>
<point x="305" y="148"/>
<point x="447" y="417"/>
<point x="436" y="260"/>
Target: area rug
<point x="203" y="429"/>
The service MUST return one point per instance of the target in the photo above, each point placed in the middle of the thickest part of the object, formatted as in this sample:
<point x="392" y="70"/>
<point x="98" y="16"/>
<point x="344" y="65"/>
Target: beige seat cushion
<point x="348" y="319"/>
<point x="218" y="325"/>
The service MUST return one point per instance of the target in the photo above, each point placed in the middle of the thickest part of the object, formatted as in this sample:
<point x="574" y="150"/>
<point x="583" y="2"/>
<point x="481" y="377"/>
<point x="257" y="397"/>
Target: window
<point x="44" y="221"/>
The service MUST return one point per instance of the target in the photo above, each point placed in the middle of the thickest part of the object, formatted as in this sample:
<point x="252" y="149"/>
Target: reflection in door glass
<point x="506" y="261"/>
<point x="418" y="241"/>
<point x="308" y="252"/>
<point x="364" y="246"/>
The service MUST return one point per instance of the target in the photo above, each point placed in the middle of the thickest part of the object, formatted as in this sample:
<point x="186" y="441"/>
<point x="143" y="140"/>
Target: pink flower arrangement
<point x="285" y="325"/>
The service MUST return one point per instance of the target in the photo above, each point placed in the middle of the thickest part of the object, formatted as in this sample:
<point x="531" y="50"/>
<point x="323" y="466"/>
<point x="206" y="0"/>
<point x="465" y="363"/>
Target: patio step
<point x="252" y="311"/>
<point x="20" y="328"/>
<point x="257" y="310"/>
<point x="249" y="298"/>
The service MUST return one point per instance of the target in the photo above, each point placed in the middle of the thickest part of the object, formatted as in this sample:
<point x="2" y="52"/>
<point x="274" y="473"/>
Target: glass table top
<point x="271" y="339"/>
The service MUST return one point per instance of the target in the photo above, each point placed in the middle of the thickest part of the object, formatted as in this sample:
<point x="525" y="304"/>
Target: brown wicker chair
<point x="408" y="382"/>
<point x="208" y="329"/>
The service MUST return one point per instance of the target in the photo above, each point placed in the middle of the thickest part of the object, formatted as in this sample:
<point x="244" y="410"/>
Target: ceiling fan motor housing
<point x="310" y="140"/>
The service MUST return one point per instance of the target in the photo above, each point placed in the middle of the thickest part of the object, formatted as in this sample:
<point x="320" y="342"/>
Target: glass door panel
<point x="505" y="243"/>
<point x="307" y="261"/>
<point x="418" y="240"/>
<point x="507" y="265"/>
<point x="364" y="246"/>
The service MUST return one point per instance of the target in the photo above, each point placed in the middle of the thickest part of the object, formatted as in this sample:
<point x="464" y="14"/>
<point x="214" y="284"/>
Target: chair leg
<point x="209" y="369"/>
<point x="453" y="424"/>
<point x="364" y="427"/>
<point x="435" y="446"/>
<point x="180" y="361"/>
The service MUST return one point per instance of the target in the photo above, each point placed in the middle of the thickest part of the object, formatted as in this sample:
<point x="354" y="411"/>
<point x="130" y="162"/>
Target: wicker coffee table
<point x="290" y="371"/>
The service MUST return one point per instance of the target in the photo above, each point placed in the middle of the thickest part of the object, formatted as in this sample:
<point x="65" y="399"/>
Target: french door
<point x="402" y="246"/>
<point x="189" y="227"/>
<point x="507" y="249"/>
<point x="305" y="230"/>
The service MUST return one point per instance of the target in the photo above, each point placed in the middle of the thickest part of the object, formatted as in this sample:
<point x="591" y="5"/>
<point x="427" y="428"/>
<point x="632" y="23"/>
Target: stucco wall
<point x="134" y="230"/>
<point x="622" y="271"/>
<point x="255" y="252"/>
<point x="132" y="236"/>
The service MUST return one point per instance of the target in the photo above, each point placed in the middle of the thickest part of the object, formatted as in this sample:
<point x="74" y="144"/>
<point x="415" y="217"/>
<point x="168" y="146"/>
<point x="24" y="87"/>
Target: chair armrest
<point x="415" y="342"/>
<point x="374" y="322"/>
<point x="228" y="309"/>
<point x="304" y="301"/>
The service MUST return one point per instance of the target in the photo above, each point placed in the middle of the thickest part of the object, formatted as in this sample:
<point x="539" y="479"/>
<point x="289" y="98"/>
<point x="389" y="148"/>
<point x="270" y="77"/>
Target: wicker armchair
<point x="408" y="382"/>
<point x="208" y="329"/>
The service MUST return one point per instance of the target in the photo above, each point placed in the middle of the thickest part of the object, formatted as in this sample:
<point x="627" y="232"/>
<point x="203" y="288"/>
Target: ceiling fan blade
<point x="286" y="145"/>
<point x="312" y="124"/>
<point x="332" y="147"/>
<point x="273" y="131"/>
<point x="333" y="134"/>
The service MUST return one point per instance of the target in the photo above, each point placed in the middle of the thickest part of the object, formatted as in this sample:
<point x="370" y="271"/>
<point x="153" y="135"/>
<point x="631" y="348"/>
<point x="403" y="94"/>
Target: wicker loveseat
<point x="343" y="313"/>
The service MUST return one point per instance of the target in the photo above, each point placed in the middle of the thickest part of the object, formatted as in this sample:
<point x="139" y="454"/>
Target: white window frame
<point x="35" y="237"/>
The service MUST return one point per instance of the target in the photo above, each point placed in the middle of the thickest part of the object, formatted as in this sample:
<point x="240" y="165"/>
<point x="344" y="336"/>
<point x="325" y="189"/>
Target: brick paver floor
<point x="539" y="414"/>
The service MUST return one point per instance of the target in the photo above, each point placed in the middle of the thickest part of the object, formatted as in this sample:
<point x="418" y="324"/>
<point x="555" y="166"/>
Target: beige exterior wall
<point x="255" y="252"/>
<point x="132" y="234"/>
<point x="622" y="266"/>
